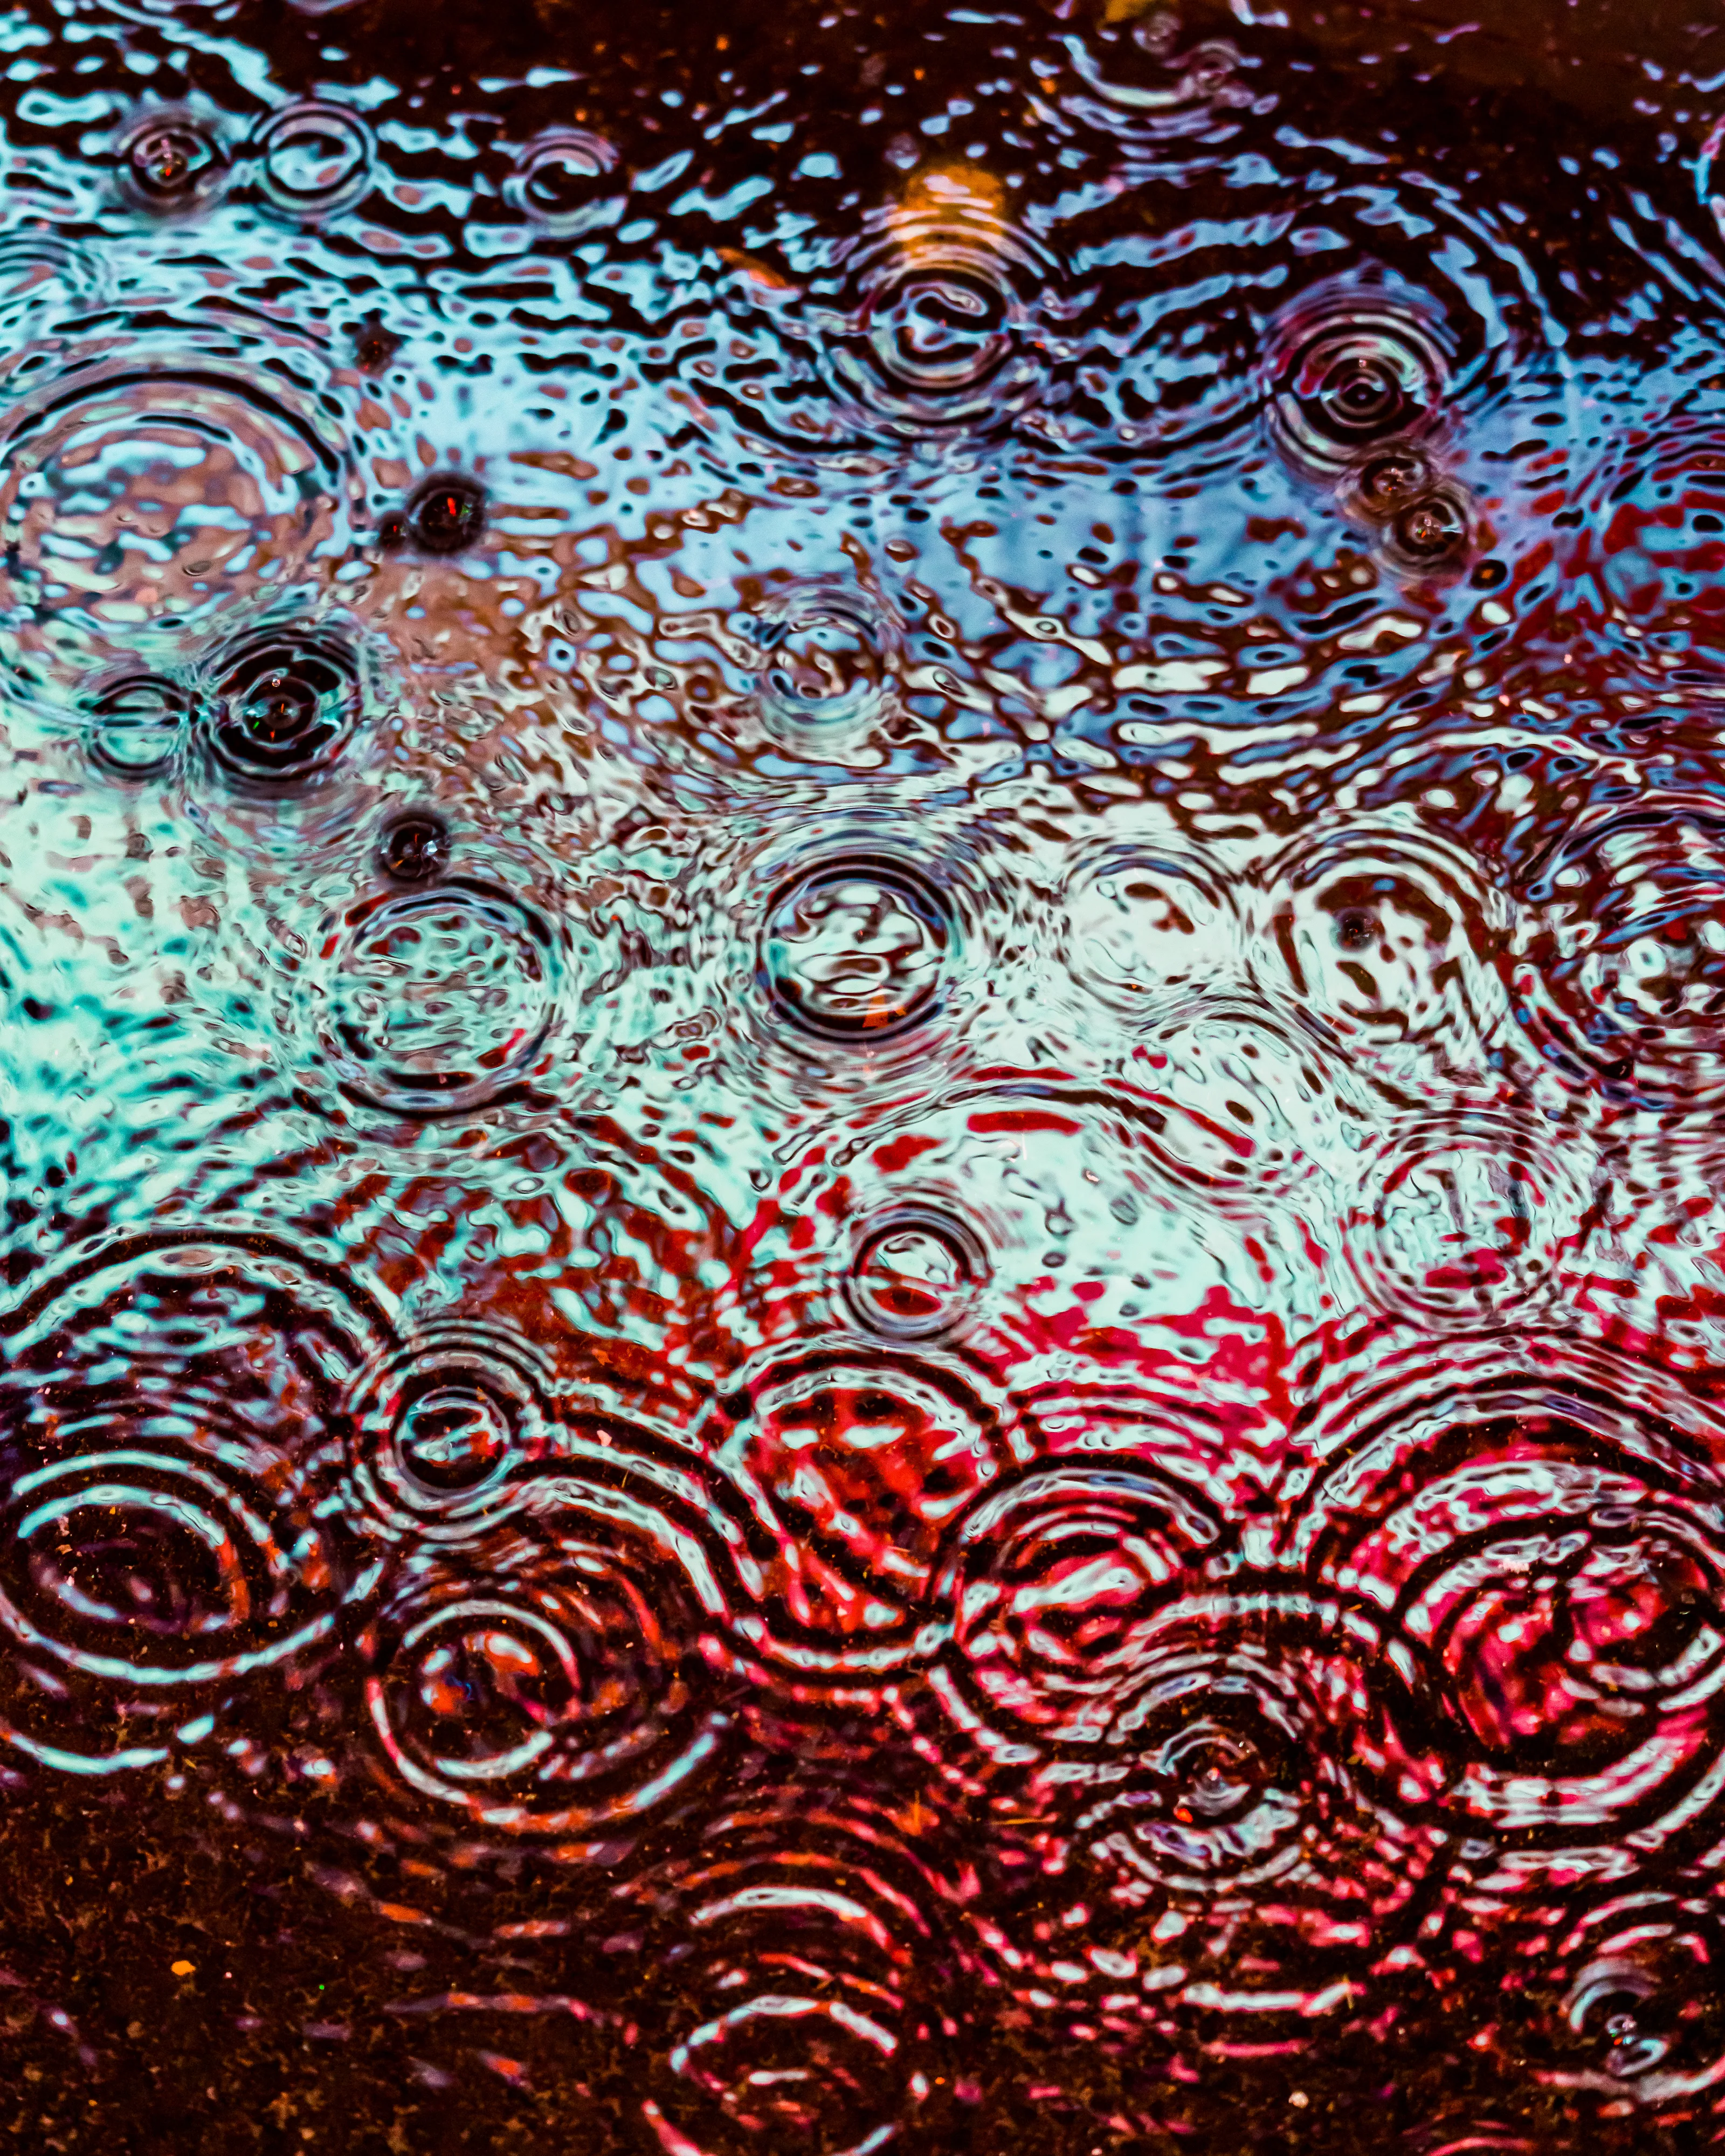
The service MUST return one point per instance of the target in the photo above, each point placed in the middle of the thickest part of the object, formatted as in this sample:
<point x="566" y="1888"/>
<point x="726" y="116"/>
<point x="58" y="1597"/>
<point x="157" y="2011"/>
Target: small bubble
<point x="1386" y="483"/>
<point x="1431" y="532"/>
<point x="414" y="849"/>
<point x="446" y="515"/>
<point x="374" y="346"/>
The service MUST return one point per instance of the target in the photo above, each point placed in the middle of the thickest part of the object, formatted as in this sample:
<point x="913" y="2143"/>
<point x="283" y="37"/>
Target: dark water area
<point x="862" y="917"/>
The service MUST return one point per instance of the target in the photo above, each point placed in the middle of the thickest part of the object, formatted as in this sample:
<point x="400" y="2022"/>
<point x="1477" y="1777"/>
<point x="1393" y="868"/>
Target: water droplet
<point x="1388" y="483"/>
<point x="172" y="161"/>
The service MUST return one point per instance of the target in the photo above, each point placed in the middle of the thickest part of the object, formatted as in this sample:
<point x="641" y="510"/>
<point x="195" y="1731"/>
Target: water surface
<point x="862" y="910"/>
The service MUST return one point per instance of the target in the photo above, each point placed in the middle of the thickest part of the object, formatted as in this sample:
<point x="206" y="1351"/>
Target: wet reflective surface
<point x="862" y="909"/>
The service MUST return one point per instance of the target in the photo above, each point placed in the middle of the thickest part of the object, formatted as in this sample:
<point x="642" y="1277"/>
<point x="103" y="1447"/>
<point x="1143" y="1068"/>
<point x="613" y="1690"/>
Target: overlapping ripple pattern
<point x="862" y="927"/>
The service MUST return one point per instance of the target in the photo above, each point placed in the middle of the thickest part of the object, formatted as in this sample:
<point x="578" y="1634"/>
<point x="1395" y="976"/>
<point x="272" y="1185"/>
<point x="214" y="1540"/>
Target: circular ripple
<point x="1640" y="2010"/>
<point x="1620" y="970"/>
<point x="868" y="1459"/>
<point x="1100" y="1213"/>
<point x="828" y="650"/>
<point x="146" y="1568"/>
<point x="313" y="160"/>
<point x="139" y="503"/>
<point x="1575" y="1620"/>
<point x="1656" y="553"/>
<point x="556" y="181"/>
<point x="1389" y="938"/>
<point x="792" y="1956"/>
<point x="172" y="162"/>
<point x="852" y="1466"/>
<point x="916" y="1272"/>
<point x="943" y="298"/>
<point x="1247" y="1091"/>
<point x="1538" y="1553"/>
<point x="1054" y="1585"/>
<point x="442" y="1424"/>
<point x="137" y="725"/>
<point x="1467" y="1212"/>
<point x="246" y="1324"/>
<point x="171" y="1414"/>
<point x="283" y="708"/>
<point x="1141" y="925"/>
<point x="439" y="1002"/>
<point x="1228" y="1780"/>
<point x="1348" y="369"/>
<point x="1227" y="1796"/>
<point x="854" y="947"/>
<point x="555" y="1685"/>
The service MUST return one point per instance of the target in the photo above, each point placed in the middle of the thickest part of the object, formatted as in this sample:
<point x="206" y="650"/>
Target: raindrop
<point x="172" y="161"/>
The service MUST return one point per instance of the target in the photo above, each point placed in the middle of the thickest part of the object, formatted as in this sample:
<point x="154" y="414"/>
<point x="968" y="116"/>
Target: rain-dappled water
<point x="862" y="908"/>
